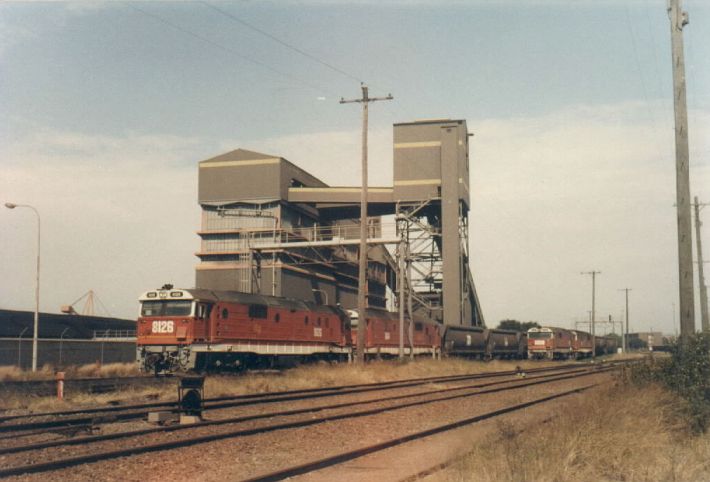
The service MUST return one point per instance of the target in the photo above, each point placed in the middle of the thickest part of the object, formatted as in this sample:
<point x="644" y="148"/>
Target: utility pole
<point x="679" y="19"/>
<point x="594" y="337"/>
<point x="701" y="276"/>
<point x="625" y="333"/>
<point x="362" y="255"/>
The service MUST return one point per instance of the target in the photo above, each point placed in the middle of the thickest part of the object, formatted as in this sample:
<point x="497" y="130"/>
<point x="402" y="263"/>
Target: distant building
<point x="652" y="339"/>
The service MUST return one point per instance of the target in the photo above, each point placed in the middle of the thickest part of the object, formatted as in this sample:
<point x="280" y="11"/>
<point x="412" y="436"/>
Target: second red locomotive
<point x="559" y="343"/>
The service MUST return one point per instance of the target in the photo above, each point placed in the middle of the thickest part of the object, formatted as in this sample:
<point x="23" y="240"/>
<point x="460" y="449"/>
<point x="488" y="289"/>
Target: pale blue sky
<point x="107" y="107"/>
<point x="113" y="69"/>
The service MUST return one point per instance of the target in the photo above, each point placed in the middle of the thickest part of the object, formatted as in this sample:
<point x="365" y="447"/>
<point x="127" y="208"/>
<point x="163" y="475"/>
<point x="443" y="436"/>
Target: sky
<point x="107" y="107"/>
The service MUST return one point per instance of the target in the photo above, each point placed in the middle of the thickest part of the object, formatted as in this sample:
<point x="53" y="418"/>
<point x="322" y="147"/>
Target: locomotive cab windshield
<point x="167" y="308"/>
<point x="540" y="335"/>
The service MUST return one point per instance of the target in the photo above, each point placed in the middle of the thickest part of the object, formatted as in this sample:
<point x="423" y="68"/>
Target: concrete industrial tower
<point x="272" y="228"/>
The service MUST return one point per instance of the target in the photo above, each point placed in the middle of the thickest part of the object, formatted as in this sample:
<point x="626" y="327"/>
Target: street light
<point x="36" y="325"/>
<point x="325" y="294"/>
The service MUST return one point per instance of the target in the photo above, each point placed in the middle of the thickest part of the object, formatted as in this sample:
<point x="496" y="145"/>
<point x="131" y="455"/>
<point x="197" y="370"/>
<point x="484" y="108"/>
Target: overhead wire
<point x="637" y="62"/>
<point x="288" y="45"/>
<point x="228" y="49"/>
<point x="282" y="42"/>
<point x="655" y="49"/>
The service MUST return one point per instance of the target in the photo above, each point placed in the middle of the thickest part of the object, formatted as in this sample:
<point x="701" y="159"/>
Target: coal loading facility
<point x="271" y="228"/>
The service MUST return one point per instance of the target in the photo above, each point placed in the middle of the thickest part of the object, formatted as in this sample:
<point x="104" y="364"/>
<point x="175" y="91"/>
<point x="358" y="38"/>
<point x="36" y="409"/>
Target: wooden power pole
<point x="362" y="255"/>
<point x="593" y="315"/>
<point x="678" y="20"/>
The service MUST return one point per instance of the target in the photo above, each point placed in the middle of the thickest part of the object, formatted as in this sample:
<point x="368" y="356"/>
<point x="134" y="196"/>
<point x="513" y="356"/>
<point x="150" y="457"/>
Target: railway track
<point x="392" y="403"/>
<point x="137" y="411"/>
<point x="340" y="458"/>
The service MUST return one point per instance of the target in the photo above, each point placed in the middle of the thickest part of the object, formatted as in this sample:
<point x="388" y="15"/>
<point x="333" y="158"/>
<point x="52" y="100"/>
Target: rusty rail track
<point x="114" y="436"/>
<point x="137" y="411"/>
<point x="135" y="450"/>
<point x="357" y="453"/>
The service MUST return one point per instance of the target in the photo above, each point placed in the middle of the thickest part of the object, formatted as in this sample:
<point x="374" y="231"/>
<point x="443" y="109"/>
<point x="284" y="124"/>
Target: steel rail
<point x="136" y="450"/>
<point x="263" y="395"/>
<point x="135" y="433"/>
<point x="250" y="399"/>
<point x="357" y="453"/>
<point x="285" y="392"/>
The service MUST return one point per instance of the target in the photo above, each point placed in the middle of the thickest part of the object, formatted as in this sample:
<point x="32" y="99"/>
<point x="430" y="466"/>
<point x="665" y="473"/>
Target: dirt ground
<point x="249" y="456"/>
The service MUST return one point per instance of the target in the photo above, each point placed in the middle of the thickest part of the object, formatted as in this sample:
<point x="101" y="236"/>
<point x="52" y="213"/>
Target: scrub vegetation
<point x="48" y="372"/>
<point x="652" y="425"/>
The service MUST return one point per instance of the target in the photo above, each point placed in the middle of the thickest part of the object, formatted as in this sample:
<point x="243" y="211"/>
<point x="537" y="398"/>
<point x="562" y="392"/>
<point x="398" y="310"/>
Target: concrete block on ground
<point x="161" y="416"/>
<point x="189" y="419"/>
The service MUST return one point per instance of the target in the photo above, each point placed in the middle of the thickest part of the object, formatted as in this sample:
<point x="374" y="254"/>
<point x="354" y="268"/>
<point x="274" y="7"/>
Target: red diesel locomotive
<point x="196" y="329"/>
<point x="191" y="329"/>
<point x="559" y="343"/>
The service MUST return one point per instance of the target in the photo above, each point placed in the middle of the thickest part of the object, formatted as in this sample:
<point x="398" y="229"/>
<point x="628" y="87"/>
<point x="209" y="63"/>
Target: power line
<point x="637" y="61"/>
<point x="282" y="42"/>
<point x="292" y="47"/>
<point x="654" y="44"/>
<point x="225" y="48"/>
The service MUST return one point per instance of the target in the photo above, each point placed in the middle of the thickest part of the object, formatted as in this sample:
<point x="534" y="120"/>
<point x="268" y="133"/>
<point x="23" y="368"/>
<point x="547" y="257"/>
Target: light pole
<point x="61" y="339"/>
<point x="625" y="335"/>
<point x="36" y="327"/>
<point x="325" y="294"/>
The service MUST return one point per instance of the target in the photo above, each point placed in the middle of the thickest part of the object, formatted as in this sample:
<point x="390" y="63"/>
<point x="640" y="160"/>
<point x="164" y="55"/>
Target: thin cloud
<point x="552" y="195"/>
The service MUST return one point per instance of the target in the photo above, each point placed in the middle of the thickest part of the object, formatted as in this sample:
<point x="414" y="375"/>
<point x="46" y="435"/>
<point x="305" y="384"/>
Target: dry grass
<point x="306" y="376"/>
<point x="627" y="434"/>
<point x="327" y="375"/>
<point x="47" y="372"/>
<point x="19" y="403"/>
